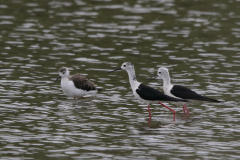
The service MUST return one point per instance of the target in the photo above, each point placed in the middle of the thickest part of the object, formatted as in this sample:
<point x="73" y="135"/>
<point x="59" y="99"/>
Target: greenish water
<point x="197" y="40"/>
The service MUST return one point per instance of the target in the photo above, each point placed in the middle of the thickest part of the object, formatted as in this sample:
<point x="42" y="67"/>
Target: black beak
<point x="57" y="78"/>
<point x="115" y="70"/>
<point x="154" y="77"/>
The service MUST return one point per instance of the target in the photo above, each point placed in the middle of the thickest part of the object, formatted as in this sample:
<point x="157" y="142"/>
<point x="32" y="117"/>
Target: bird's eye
<point x="159" y="72"/>
<point x="124" y="65"/>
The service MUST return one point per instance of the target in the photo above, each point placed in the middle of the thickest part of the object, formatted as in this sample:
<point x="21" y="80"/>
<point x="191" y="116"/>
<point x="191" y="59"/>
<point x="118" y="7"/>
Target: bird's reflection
<point x="75" y="106"/>
<point x="151" y="124"/>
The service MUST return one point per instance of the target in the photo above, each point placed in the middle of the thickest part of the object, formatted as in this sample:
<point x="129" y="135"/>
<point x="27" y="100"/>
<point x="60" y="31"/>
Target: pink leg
<point x="149" y="112"/>
<point x="149" y="123"/>
<point x="183" y="109"/>
<point x="174" y="113"/>
<point x="186" y="108"/>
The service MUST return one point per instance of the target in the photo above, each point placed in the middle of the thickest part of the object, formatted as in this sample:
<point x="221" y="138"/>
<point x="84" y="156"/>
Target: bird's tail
<point x="168" y="98"/>
<point x="99" y="89"/>
<point x="180" y="100"/>
<point x="212" y="100"/>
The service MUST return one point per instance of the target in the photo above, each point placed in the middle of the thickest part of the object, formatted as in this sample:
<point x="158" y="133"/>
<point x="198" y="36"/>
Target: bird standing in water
<point x="76" y="85"/>
<point x="145" y="93"/>
<point x="178" y="91"/>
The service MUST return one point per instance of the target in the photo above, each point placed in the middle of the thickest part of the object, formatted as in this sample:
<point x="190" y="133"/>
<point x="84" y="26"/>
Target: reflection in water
<point x="155" y="125"/>
<point x="197" y="40"/>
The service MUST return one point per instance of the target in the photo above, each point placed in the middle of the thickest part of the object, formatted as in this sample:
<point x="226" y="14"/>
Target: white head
<point x="163" y="73"/>
<point x="127" y="66"/>
<point x="63" y="72"/>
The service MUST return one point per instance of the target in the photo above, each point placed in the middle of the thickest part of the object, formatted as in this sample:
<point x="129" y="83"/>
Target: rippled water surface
<point x="199" y="41"/>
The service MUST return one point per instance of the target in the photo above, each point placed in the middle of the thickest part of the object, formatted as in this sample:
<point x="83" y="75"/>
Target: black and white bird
<point x="145" y="93"/>
<point x="76" y="85"/>
<point x="178" y="91"/>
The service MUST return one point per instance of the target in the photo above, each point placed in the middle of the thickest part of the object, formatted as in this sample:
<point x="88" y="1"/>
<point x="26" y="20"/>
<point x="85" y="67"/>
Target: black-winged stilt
<point x="145" y="93"/>
<point x="76" y="85"/>
<point x="178" y="91"/>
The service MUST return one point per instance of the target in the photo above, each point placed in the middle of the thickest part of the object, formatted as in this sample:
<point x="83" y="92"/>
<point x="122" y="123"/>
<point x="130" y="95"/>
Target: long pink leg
<point x="186" y="109"/>
<point x="149" y="112"/>
<point x="174" y="113"/>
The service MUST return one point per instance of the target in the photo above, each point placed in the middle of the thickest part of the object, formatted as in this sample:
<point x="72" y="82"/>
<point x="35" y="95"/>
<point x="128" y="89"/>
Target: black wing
<point x="81" y="82"/>
<point x="185" y="93"/>
<point x="151" y="94"/>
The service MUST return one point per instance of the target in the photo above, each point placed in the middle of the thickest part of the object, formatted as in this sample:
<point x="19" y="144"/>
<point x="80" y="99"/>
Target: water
<point x="197" y="40"/>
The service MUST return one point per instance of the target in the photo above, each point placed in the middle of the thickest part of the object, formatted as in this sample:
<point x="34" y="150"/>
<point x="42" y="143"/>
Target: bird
<point x="76" y="85"/>
<point x="145" y="93"/>
<point x="178" y="91"/>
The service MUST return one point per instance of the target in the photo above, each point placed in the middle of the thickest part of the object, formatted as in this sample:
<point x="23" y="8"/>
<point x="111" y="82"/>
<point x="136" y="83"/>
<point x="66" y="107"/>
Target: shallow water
<point x="197" y="40"/>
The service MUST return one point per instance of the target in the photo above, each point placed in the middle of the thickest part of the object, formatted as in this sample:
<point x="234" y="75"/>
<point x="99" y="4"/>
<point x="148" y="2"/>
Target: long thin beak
<point x="115" y="70"/>
<point x="154" y="77"/>
<point x="57" y="78"/>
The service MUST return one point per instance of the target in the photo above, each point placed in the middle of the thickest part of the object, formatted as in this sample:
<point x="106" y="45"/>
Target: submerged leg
<point x="183" y="109"/>
<point x="150" y="116"/>
<point x="149" y="122"/>
<point x="186" y="109"/>
<point x="174" y="113"/>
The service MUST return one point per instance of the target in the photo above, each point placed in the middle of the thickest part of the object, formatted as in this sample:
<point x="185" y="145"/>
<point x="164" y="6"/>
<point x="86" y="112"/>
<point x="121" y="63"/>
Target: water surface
<point x="197" y="40"/>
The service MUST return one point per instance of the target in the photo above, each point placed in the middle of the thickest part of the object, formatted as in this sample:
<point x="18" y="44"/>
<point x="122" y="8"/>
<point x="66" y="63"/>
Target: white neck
<point x="166" y="80"/>
<point x="132" y="79"/>
<point x="65" y="77"/>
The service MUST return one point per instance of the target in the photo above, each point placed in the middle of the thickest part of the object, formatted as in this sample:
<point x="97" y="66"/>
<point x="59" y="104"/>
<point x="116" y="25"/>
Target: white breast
<point x="134" y="88"/>
<point x="70" y="90"/>
<point x="167" y="90"/>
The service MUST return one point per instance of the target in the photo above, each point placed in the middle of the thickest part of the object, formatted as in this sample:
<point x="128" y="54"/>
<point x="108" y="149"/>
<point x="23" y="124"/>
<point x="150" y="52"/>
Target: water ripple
<point x="197" y="41"/>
